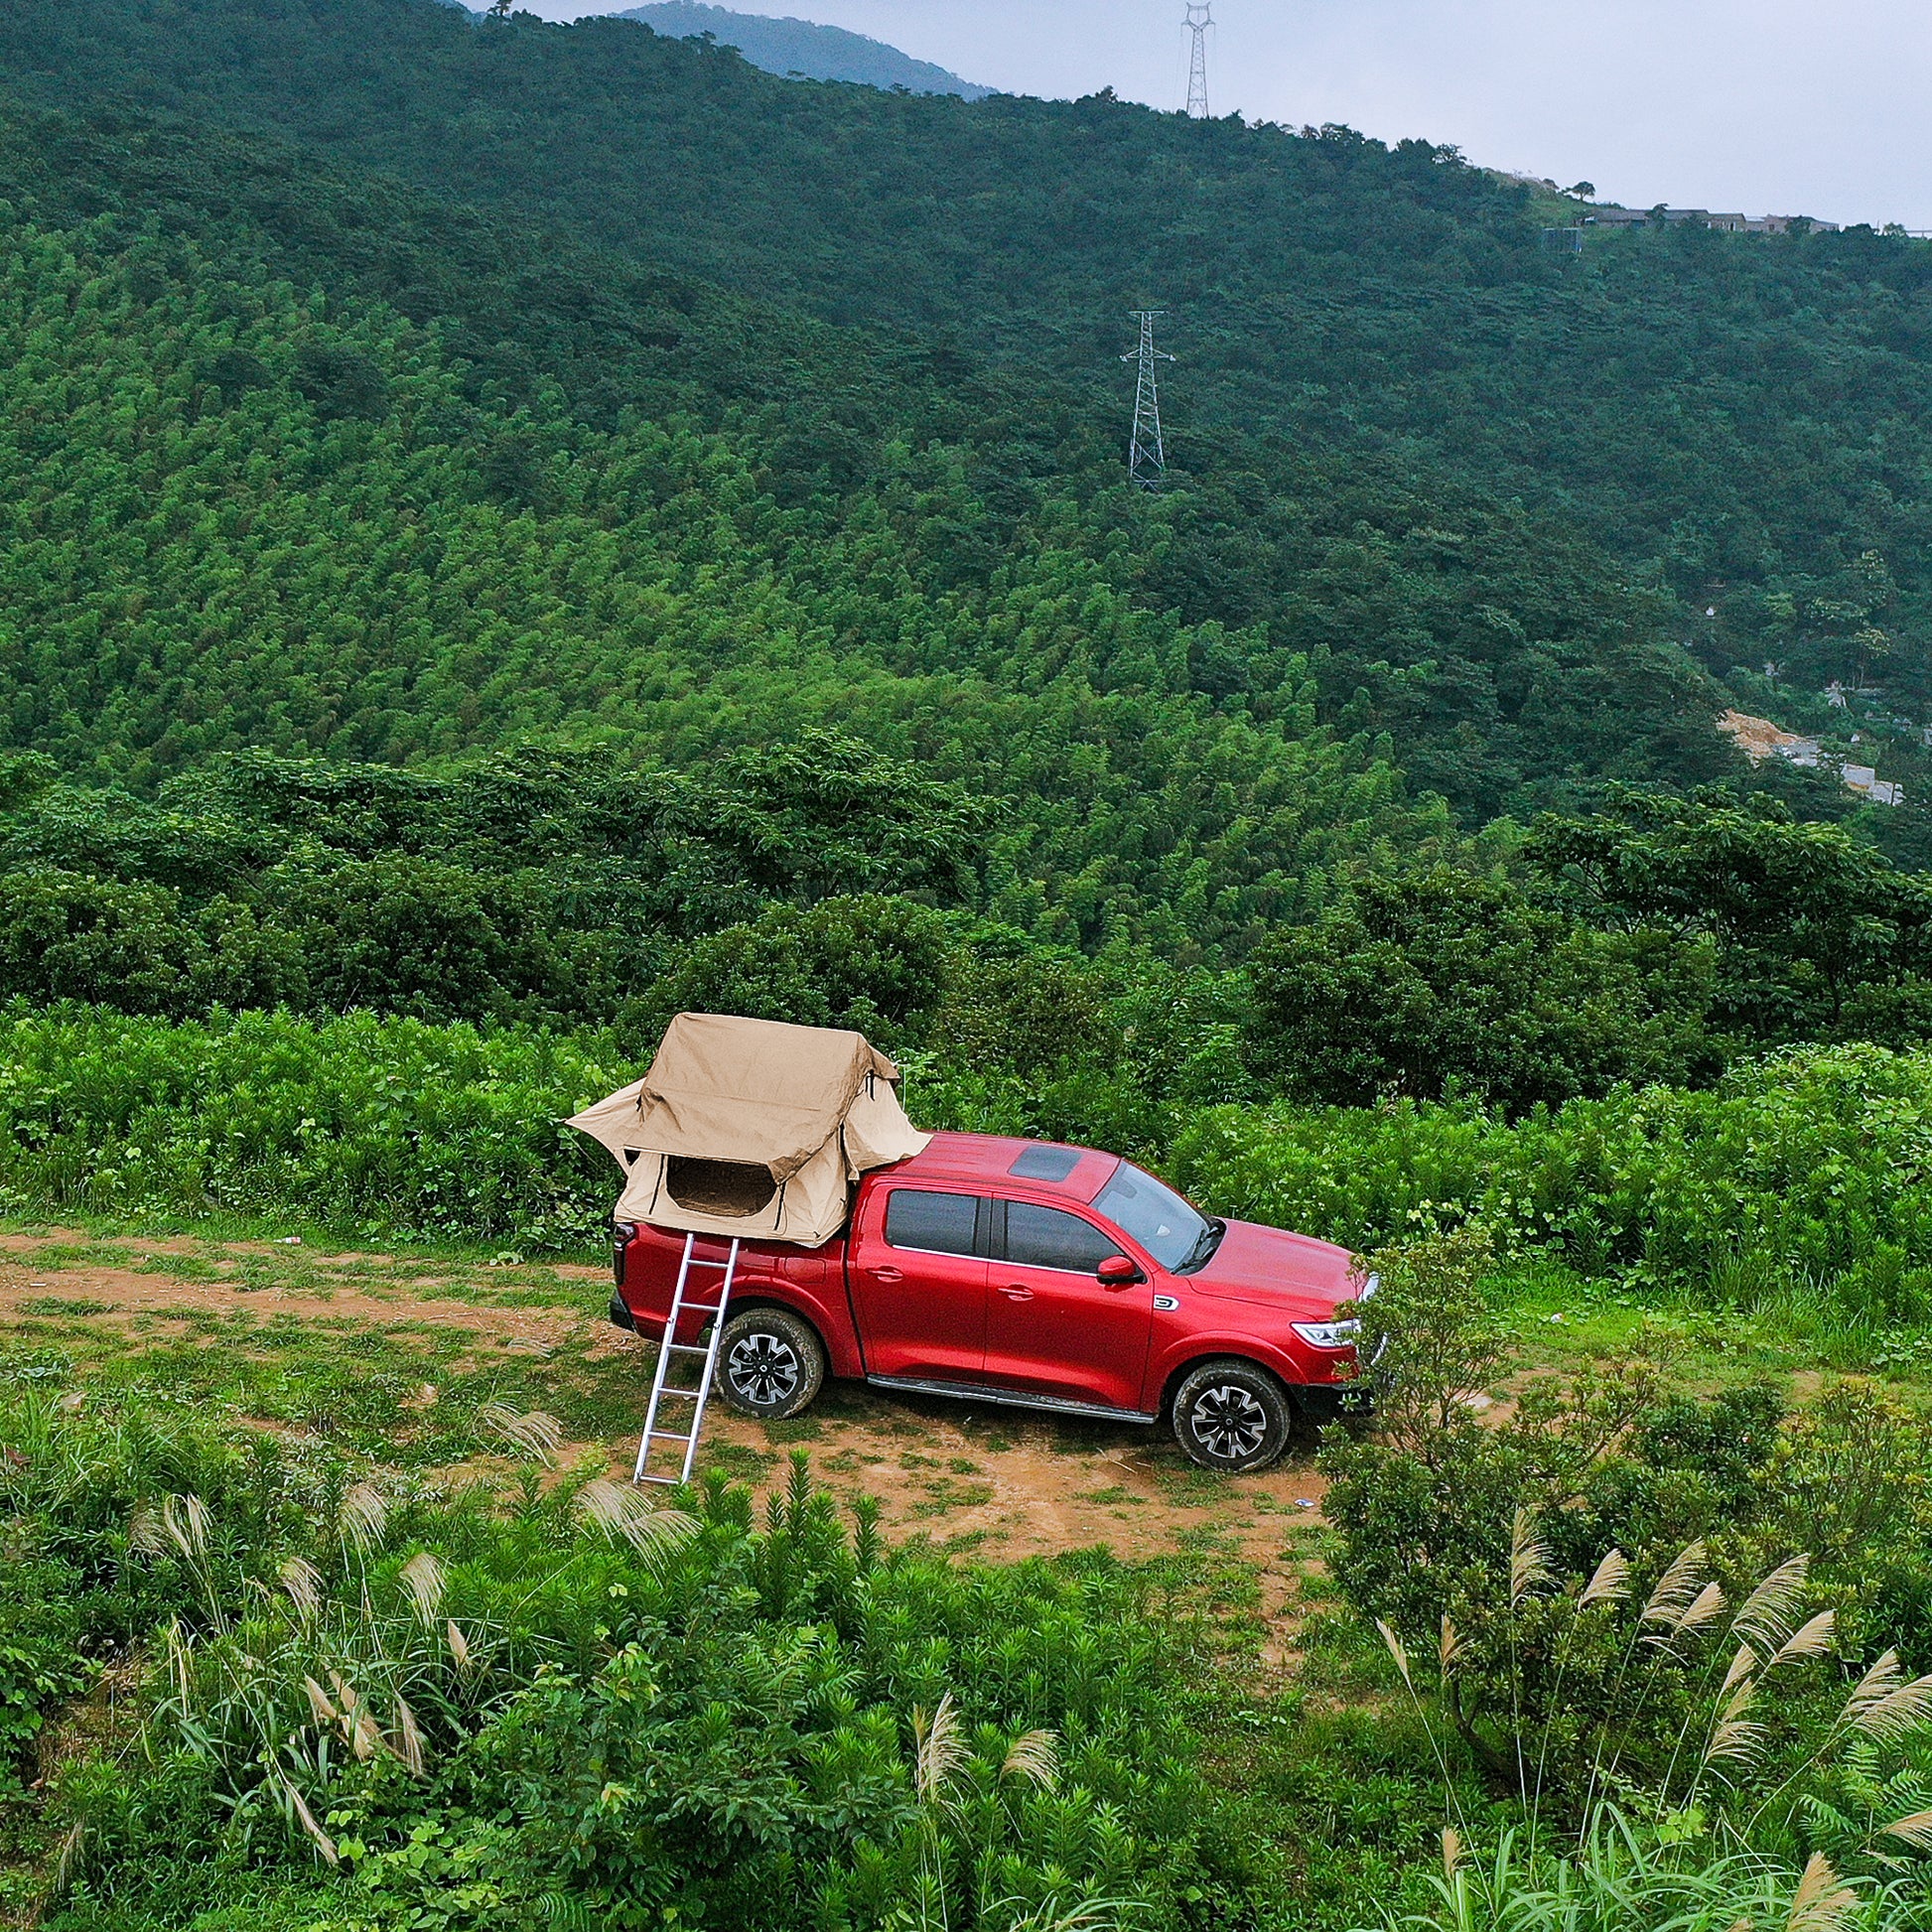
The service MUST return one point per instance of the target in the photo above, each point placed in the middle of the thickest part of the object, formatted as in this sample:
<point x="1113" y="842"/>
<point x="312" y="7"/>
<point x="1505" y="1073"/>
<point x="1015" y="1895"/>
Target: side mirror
<point x="1116" y="1272"/>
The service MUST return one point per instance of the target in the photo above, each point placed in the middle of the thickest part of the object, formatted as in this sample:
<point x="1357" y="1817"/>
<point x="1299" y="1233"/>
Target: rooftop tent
<point x="752" y="1128"/>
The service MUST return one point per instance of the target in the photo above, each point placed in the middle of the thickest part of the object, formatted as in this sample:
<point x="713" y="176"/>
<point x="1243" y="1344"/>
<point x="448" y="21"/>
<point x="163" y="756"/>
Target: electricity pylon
<point x="1147" y="456"/>
<point x="1200" y="17"/>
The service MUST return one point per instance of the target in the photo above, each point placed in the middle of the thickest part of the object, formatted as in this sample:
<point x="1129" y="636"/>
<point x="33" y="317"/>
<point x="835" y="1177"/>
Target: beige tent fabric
<point x="810" y="1107"/>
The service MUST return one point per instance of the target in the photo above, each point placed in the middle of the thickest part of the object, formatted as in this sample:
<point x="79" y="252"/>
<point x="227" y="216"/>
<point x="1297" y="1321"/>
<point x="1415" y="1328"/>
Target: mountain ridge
<point x="802" y="49"/>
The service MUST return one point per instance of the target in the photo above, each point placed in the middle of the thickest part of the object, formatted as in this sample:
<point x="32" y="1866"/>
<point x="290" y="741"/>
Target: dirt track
<point x="997" y="1482"/>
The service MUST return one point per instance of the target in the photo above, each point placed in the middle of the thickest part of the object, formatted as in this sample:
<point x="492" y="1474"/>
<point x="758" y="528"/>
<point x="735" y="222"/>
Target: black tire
<point x="770" y="1364"/>
<point x="1232" y="1416"/>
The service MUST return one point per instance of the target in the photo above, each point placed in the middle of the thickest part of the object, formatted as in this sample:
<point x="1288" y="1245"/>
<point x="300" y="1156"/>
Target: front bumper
<point x="1323" y="1402"/>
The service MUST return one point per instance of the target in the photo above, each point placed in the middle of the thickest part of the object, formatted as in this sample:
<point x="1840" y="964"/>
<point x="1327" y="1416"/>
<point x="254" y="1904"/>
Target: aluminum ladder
<point x="670" y="1350"/>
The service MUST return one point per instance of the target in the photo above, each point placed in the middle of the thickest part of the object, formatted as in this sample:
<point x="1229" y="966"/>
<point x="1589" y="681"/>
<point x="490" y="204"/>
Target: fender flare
<point x="841" y="1357"/>
<point x="1193" y="1350"/>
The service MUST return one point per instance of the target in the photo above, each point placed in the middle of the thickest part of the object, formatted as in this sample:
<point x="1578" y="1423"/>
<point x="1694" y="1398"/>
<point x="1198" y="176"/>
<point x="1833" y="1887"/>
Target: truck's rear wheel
<point x="1232" y="1416"/>
<point x="770" y="1364"/>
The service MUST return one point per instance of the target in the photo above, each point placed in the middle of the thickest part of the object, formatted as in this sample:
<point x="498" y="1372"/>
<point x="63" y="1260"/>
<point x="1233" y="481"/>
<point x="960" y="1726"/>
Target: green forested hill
<point x="310" y="458"/>
<point x="1747" y="417"/>
<point x="237" y="515"/>
<point x="508" y="533"/>
<point x="878" y="508"/>
<point x="694" y="616"/>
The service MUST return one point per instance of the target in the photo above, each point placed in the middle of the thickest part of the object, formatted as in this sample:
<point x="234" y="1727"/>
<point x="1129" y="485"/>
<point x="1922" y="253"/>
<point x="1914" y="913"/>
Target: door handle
<point x="886" y="1274"/>
<point x="1018" y="1294"/>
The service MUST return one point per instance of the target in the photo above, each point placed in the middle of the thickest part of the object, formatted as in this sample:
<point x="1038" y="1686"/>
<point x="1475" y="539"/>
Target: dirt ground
<point x="998" y="1483"/>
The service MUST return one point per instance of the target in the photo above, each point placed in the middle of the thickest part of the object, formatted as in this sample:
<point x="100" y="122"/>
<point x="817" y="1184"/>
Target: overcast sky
<point x="1780" y="106"/>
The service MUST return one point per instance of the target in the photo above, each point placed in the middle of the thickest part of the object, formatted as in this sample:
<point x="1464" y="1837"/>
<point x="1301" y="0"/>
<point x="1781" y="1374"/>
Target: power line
<point x="1200" y="17"/>
<point x="1147" y="456"/>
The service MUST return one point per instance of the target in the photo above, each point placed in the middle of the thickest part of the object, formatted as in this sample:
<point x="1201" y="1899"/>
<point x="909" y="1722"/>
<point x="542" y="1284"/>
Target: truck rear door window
<point x="1044" y="1237"/>
<point x="934" y="1224"/>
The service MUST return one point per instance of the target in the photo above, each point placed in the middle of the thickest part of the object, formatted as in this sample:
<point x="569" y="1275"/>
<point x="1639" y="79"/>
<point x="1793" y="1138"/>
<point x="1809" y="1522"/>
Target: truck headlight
<point x="1328" y="1334"/>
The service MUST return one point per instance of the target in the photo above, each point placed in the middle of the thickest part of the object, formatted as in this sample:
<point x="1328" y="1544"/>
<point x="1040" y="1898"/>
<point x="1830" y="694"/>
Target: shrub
<point x="1619" y="1879"/>
<point x="67" y="937"/>
<point x="1444" y="981"/>
<point x="1514" y="1553"/>
<point x="1811" y="1160"/>
<point x="472" y="1710"/>
<point x="42" y="1661"/>
<point x="388" y="1127"/>
<point x="875" y="965"/>
<point x="1423" y="1512"/>
<point x="1808" y="1164"/>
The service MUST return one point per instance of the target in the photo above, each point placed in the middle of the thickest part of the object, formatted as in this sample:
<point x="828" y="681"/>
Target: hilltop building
<point x="1611" y="216"/>
<point x="1675" y="218"/>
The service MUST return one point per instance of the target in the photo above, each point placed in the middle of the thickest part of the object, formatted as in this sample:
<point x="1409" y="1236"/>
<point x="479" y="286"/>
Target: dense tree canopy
<point x="629" y="562"/>
<point x="1746" y="413"/>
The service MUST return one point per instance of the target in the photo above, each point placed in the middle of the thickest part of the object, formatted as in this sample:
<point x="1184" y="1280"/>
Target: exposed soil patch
<point x="995" y="1483"/>
<point x="124" y="1280"/>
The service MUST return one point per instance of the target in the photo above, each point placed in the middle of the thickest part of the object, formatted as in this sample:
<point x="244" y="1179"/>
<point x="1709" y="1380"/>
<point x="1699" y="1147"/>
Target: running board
<point x="1054" y="1405"/>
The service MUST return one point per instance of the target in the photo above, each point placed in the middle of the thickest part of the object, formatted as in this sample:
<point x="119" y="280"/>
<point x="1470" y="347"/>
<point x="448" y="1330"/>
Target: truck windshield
<point x="1176" y="1235"/>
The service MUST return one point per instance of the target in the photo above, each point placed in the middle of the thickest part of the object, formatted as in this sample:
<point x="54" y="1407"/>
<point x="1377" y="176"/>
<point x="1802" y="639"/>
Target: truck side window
<point x="935" y="1224"/>
<point x="1044" y="1237"/>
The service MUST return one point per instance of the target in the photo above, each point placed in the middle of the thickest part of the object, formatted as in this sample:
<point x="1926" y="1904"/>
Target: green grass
<point x="356" y="1383"/>
<point x="1322" y="1784"/>
<point x="1564" y="1319"/>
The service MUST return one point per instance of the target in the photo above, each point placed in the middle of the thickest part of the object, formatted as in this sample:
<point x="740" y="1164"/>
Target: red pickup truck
<point x="1055" y="1278"/>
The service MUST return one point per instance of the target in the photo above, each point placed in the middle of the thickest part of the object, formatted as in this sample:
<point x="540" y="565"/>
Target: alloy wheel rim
<point x="1228" y="1421"/>
<point x="763" y="1369"/>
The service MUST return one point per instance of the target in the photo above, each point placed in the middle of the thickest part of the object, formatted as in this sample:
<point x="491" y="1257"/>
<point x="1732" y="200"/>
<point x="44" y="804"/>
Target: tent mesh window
<point x="735" y="1189"/>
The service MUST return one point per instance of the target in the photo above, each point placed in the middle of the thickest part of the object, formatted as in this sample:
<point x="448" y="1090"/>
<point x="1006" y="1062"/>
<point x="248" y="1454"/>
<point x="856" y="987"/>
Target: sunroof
<point x="1047" y="1162"/>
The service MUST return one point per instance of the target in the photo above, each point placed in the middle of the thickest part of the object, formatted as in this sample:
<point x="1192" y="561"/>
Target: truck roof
<point x="1077" y="1173"/>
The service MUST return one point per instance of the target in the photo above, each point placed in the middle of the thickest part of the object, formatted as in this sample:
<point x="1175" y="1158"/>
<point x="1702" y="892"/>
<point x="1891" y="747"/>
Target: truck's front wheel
<point x="1233" y="1416"/>
<point x="770" y="1364"/>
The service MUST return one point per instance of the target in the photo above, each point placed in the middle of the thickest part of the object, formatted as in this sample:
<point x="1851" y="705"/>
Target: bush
<point x="42" y="1661"/>
<point x="385" y="1127"/>
<point x="67" y="937"/>
<point x="1811" y="1160"/>
<point x="1805" y="1165"/>
<point x="1579" y="1570"/>
<point x="1447" y="982"/>
<point x="473" y="1710"/>
<point x="875" y="965"/>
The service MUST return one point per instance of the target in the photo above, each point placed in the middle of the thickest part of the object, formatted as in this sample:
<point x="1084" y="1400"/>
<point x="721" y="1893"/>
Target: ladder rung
<point x="669" y="1347"/>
